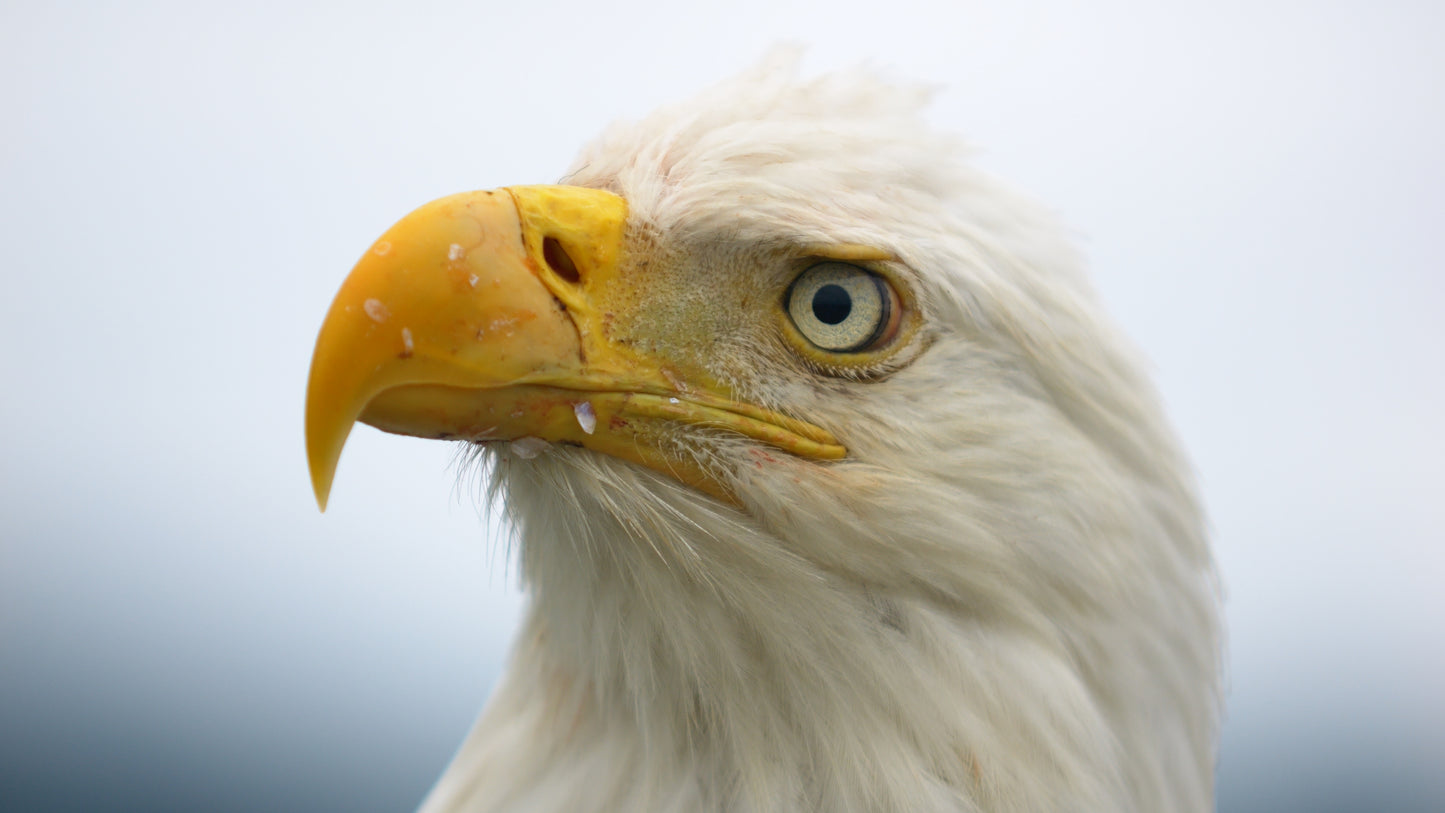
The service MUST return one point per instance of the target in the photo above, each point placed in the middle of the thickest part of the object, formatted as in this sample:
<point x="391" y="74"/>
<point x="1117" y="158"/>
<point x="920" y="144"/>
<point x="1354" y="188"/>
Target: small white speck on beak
<point x="406" y="340"/>
<point x="586" y="416"/>
<point x="376" y="310"/>
<point x="528" y="447"/>
<point x="455" y="252"/>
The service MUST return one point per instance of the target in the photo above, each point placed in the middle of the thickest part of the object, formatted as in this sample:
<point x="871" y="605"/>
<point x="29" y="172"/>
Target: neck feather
<point x="676" y="656"/>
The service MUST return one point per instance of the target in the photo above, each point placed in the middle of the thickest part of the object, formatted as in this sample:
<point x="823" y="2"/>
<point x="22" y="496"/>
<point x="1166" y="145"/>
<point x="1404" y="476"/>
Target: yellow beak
<point x="483" y="316"/>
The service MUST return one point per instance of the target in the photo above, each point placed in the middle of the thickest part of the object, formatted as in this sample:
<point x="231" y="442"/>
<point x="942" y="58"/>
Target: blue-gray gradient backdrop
<point x="1259" y="186"/>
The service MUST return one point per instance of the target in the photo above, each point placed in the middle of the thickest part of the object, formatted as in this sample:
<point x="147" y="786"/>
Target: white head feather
<point x="1002" y="601"/>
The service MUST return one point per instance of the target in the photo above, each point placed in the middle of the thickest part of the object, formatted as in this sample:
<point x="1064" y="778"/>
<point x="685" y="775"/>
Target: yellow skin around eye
<point x="869" y="307"/>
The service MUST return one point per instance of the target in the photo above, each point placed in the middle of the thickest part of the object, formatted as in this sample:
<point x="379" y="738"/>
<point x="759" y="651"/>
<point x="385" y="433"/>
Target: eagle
<point x="833" y="487"/>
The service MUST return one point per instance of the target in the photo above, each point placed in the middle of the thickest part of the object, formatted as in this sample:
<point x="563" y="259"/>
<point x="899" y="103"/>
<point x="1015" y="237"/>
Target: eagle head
<point x="834" y="488"/>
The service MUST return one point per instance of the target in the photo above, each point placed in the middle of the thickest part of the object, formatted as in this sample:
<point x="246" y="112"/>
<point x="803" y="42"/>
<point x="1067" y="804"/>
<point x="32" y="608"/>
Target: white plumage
<point x="1002" y="600"/>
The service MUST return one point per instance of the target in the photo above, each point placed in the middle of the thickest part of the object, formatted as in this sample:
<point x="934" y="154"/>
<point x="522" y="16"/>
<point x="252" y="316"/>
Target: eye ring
<point x="842" y="308"/>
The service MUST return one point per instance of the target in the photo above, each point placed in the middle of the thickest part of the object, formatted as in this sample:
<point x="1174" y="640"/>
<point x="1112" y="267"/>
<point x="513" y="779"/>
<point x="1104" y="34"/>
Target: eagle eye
<point x="841" y="308"/>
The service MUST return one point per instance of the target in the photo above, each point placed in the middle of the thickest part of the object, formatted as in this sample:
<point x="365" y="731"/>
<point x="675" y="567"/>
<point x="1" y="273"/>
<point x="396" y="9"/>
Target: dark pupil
<point x="831" y="304"/>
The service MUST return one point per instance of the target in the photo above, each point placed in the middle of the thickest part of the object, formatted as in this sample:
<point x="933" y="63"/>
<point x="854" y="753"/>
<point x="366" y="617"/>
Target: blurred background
<point x="1259" y="186"/>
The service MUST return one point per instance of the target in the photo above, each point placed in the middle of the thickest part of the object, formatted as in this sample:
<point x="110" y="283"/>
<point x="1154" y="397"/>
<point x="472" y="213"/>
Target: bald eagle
<point x="834" y="489"/>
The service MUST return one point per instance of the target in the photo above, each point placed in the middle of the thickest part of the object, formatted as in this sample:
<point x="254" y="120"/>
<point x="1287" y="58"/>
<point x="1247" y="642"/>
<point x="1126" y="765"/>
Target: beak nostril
<point x="560" y="261"/>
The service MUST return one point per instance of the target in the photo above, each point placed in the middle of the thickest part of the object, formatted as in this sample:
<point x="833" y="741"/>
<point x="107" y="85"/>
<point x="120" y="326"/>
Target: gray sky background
<point x="1260" y="188"/>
